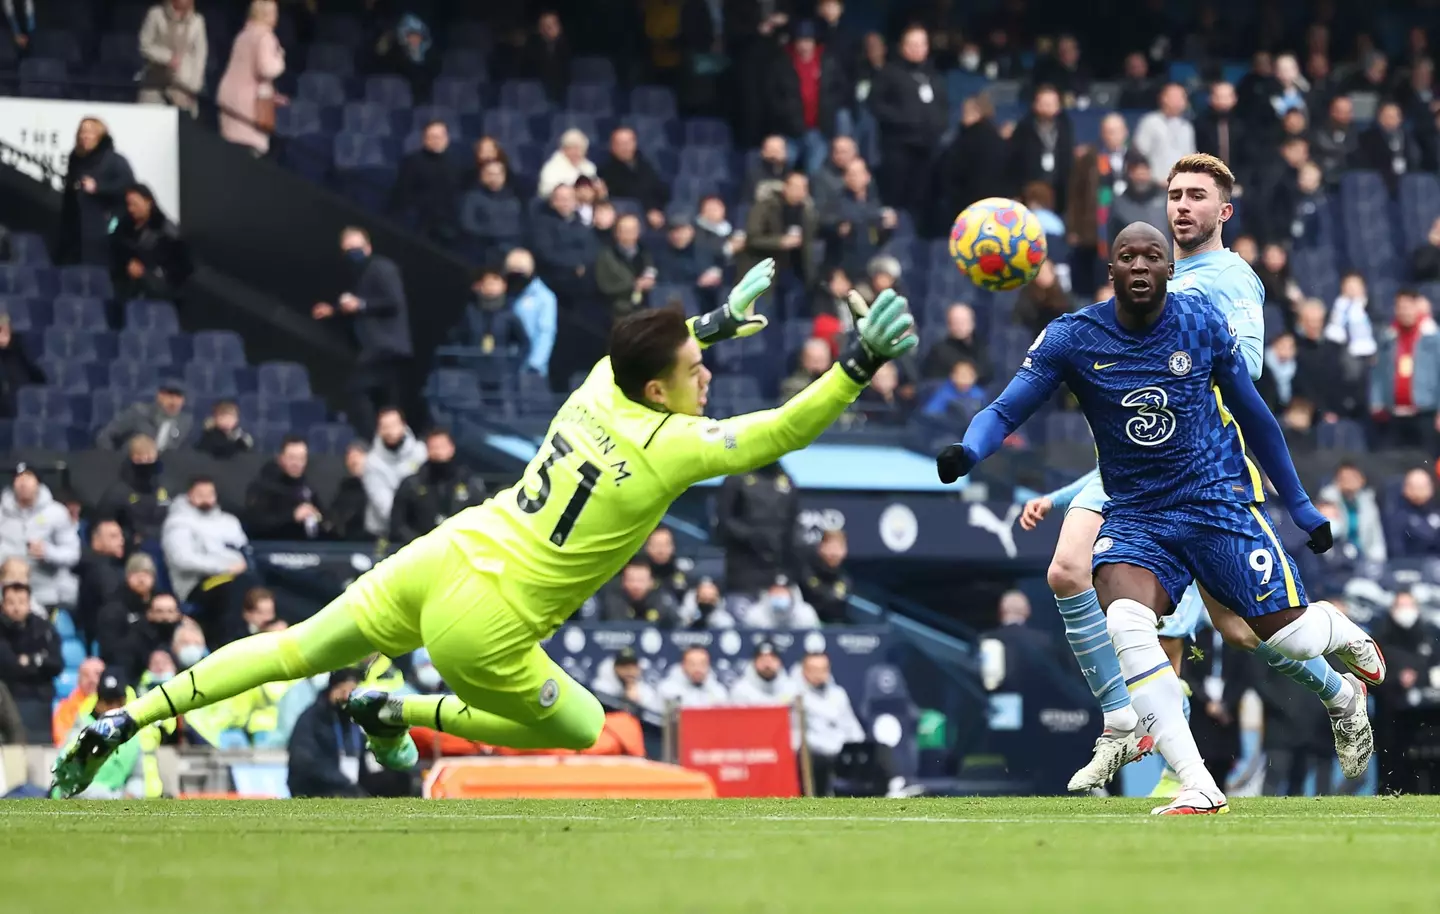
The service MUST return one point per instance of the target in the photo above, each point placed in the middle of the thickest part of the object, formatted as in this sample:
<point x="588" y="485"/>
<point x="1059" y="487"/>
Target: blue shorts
<point x="1186" y="618"/>
<point x="1091" y="497"/>
<point x="1230" y="549"/>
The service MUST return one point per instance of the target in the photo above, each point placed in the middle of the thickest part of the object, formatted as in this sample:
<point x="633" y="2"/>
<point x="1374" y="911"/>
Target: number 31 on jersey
<point x="589" y="474"/>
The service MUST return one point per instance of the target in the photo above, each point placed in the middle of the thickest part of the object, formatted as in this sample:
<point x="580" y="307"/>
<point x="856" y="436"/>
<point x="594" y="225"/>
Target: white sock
<point x="1321" y="629"/>
<point x="1122" y="720"/>
<point x="1340" y="699"/>
<point x="1155" y="691"/>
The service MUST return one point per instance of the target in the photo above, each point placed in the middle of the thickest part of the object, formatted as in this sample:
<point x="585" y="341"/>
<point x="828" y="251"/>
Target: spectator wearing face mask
<point x="203" y="546"/>
<point x="223" y="437"/>
<point x="623" y="682"/>
<point x="394" y="454"/>
<point x="188" y="646"/>
<point x="346" y="518"/>
<point x="705" y="607"/>
<point x="765" y="681"/>
<point x="637" y="599"/>
<point x="138" y="499"/>
<point x="438" y="490"/>
<point x="535" y="306"/>
<point x="488" y="323"/>
<point x="33" y="524"/>
<point x="692" y="683"/>
<point x="1412" y="650"/>
<point x="29" y="662"/>
<point x="780" y="608"/>
<point x="127" y="642"/>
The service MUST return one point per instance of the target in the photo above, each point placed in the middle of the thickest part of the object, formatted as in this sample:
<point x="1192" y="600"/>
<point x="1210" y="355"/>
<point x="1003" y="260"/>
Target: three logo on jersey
<point x="1154" y="422"/>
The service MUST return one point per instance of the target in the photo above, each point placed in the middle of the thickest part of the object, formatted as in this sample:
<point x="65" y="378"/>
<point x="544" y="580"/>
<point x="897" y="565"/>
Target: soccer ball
<point x="998" y="243"/>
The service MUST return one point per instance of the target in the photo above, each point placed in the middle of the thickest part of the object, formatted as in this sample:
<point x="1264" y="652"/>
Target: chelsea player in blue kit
<point x="1199" y="190"/>
<point x="1184" y="502"/>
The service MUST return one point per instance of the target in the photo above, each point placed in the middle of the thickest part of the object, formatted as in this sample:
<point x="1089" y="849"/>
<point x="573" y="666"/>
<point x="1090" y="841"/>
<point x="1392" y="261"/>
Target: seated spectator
<point x="623" y="682"/>
<point x="628" y="175"/>
<point x="223" y="437"/>
<point x="768" y="172"/>
<point x="1143" y="199"/>
<point x="346" y="518"/>
<point x="780" y="608"/>
<point x="203" y="544"/>
<point x="16" y="570"/>
<point x="126" y="642"/>
<point x="79" y="702"/>
<point x="830" y="721"/>
<point x="624" y="271"/>
<point x="487" y="149"/>
<point x="1297" y="421"/>
<point x="858" y="224"/>
<point x="565" y="249"/>
<point x="491" y="213"/>
<point x="829" y="305"/>
<point x="691" y="683"/>
<point x="438" y="490"/>
<point x="1277" y="384"/>
<point x="828" y="181"/>
<point x="602" y="223"/>
<point x="17" y="368"/>
<point x="159" y="670"/>
<point x="1351" y="494"/>
<point x="257" y="613"/>
<point x="33" y="524"/>
<point x="816" y="358"/>
<point x="164" y="422"/>
<point x="784" y="226"/>
<point x="1405" y="379"/>
<point x="882" y="403"/>
<point x="137" y="499"/>
<point x="29" y="662"/>
<point x="188" y="646"/>
<point x="1425" y="260"/>
<point x="1349" y="322"/>
<point x="1412" y="525"/>
<point x="326" y="747"/>
<point x="637" y="599"/>
<point x="1281" y="289"/>
<point x="682" y="261"/>
<point x="148" y="258"/>
<point x="567" y="164"/>
<point x="960" y="395"/>
<point x="705" y="607"/>
<point x="670" y="572"/>
<point x="280" y="504"/>
<point x="1043" y="300"/>
<point x="881" y="273"/>
<point x="487" y="323"/>
<point x="535" y="306"/>
<point x="714" y="233"/>
<point x="959" y="344"/>
<point x="764" y="681"/>
<point x="824" y="583"/>
<point x="394" y="454"/>
<point x="589" y="193"/>
<point x="427" y="187"/>
<point x="127" y="605"/>
<point x="1388" y="148"/>
<point x="101" y="574"/>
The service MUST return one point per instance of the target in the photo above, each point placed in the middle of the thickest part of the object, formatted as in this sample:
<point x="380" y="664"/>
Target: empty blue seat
<point x="463" y="63"/>
<point x="269" y="436"/>
<point x="65" y="682"/>
<point x="28" y="249"/>
<point x="331" y="58"/>
<point x="366" y="118"/>
<point x="469" y="34"/>
<point x="64" y="625"/>
<point x="330" y="437"/>
<point x="390" y="91"/>
<point x="18" y="310"/>
<point x="597" y="100"/>
<point x="40" y="434"/>
<point x="457" y="388"/>
<point x="67" y="377"/>
<point x="149" y="347"/>
<point x="104" y="404"/>
<point x="90" y="281"/>
<point x="653" y="101"/>
<point x="704" y="162"/>
<point x="265" y="410"/>
<point x="358" y="150"/>
<point x="77" y="312"/>
<point x="75" y="345"/>
<point x="42" y="77"/>
<point x="509" y="128"/>
<point x="120" y="47"/>
<point x="324" y="89"/>
<point x="152" y="315"/>
<point x="339" y="30"/>
<point x="136" y="378"/>
<point x="56" y="45"/>
<point x="36" y="402"/>
<point x="707" y="131"/>
<point x="458" y="93"/>
<point x="219" y="347"/>
<point x="205" y="379"/>
<point x="562" y="121"/>
<point x="598" y="70"/>
<point x="526" y="96"/>
<point x="20" y="281"/>
<point x="299" y="118"/>
<point x="1344" y="435"/>
<point x="284" y="381"/>
<point x="73" y="652"/>
<point x="306" y="413"/>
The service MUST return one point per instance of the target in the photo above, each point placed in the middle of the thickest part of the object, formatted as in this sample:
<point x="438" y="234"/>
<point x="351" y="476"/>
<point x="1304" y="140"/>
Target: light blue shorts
<point x="1092" y="497"/>
<point x="1188" y="616"/>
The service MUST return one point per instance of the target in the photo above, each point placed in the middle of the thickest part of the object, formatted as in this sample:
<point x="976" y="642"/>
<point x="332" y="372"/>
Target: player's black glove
<point x="1321" y="539"/>
<point x="955" y="461"/>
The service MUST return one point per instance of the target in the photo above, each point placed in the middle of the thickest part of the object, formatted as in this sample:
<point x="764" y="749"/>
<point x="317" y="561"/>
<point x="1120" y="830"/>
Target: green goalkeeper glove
<point x="733" y="319"/>
<point x="882" y="332"/>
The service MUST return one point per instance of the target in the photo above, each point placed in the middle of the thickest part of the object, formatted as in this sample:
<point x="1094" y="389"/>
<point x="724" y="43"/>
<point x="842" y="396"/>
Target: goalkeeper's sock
<point x="1314" y="675"/>
<point x="1090" y="643"/>
<point x="574" y="723"/>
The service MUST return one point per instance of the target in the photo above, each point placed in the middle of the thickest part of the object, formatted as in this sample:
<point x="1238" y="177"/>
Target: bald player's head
<point x="1140" y="267"/>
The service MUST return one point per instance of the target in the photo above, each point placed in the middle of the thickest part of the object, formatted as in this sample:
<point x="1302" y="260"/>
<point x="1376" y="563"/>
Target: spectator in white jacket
<point x="36" y="527"/>
<point x="830" y="721"/>
<point x="764" y="681"/>
<point x="1349" y="323"/>
<point x="396" y="454"/>
<point x="621" y="680"/>
<point x="780" y="608"/>
<point x="692" y="683"/>
<point x="173" y="43"/>
<point x="1166" y="136"/>
<point x="200" y="539"/>
<point x="567" y="164"/>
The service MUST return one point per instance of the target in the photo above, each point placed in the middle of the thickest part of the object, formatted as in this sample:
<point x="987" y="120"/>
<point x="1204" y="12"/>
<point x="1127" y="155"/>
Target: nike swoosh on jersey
<point x="1265" y="596"/>
<point x="1099" y="367"/>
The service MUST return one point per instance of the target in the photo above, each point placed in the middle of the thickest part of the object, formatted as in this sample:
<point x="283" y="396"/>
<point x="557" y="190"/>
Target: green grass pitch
<point x="987" y="856"/>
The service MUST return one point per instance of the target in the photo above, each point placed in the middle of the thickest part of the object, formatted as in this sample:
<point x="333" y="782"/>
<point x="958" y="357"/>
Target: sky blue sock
<point x="1090" y="642"/>
<point x="1314" y="674"/>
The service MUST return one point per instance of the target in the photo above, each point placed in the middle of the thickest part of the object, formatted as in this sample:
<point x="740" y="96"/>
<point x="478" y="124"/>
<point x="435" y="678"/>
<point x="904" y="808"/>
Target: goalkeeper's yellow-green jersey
<point x="604" y="477"/>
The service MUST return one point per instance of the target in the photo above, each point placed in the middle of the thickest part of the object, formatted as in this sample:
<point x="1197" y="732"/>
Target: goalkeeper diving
<point x="483" y="590"/>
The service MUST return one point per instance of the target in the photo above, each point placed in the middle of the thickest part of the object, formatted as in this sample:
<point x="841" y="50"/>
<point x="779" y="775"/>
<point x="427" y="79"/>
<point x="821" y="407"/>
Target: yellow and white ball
<point x="998" y="244"/>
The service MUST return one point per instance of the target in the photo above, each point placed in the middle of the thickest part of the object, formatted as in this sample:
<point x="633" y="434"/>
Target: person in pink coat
<point x="256" y="61"/>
